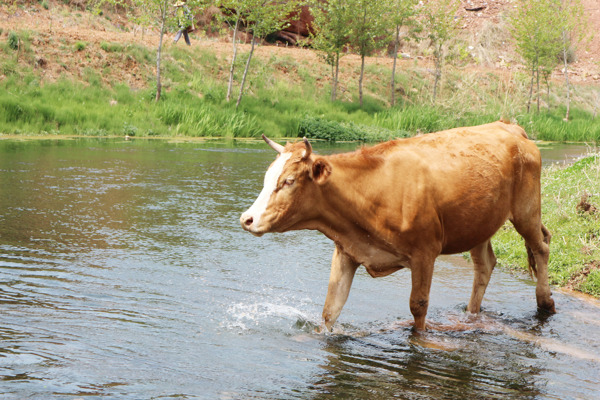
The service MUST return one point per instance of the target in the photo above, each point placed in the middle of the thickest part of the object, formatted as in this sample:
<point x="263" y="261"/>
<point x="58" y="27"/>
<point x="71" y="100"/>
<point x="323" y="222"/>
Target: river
<point x="124" y="274"/>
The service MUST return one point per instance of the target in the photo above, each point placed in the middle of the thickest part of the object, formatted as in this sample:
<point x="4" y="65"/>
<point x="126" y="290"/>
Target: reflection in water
<point x="124" y="274"/>
<point x="397" y="365"/>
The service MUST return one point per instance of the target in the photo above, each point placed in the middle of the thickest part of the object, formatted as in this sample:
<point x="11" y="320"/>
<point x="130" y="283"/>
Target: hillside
<point x="55" y="31"/>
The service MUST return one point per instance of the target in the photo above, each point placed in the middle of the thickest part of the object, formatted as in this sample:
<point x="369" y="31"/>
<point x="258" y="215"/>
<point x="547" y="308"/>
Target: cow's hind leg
<point x="484" y="261"/>
<point x="537" y="239"/>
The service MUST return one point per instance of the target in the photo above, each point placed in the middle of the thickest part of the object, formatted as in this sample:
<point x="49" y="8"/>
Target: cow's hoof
<point x="323" y="329"/>
<point x="547" y="306"/>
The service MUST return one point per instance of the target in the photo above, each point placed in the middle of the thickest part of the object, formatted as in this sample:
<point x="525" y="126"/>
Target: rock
<point x="299" y="27"/>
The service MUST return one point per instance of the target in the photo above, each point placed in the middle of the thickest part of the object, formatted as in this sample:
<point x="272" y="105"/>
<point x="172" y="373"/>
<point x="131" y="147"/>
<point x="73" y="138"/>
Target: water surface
<point x="124" y="274"/>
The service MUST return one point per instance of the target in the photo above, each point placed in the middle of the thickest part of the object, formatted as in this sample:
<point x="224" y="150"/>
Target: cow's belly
<point x="463" y="237"/>
<point x="377" y="261"/>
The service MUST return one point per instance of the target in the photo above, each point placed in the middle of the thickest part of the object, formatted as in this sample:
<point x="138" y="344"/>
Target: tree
<point x="232" y="18"/>
<point x="368" y="27"/>
<point x="162" y="6"/>
<point x="154" y="13"/>
<point x="440" y="24"/>
<point x="262" y="17"/>
<point x="573" y="31"/>
<point x="402" y="13"/>
<point x="534" y="29"/>
<point x="331" y="27"/>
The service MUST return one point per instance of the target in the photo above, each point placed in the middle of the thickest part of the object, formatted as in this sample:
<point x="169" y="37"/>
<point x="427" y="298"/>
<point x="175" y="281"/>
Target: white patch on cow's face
<point x="271" y="178"/>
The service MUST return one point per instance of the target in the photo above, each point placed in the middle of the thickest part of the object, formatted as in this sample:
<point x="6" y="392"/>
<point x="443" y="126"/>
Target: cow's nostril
<point x="249" y="221"/>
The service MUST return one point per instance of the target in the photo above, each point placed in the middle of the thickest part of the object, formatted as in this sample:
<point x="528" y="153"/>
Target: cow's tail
<point x="531" y="258"/>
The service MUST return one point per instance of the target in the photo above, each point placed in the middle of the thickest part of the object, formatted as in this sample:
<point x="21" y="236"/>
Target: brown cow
<point x="402" y="203"/>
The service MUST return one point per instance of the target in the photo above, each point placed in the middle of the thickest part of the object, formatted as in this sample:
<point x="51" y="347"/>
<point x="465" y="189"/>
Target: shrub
<point x="111" y="47"/>
<point x="129" y="130"/>
<point x="319" y="128"/>
<point x="13" y="41"/>
<point x="79" y="46"/>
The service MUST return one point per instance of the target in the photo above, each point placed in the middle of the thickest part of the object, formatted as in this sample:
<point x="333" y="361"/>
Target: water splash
<point x="246" y="317"/>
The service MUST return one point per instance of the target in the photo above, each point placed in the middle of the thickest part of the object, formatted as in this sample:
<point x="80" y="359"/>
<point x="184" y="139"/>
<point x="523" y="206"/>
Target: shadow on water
<point x="124" y="274"/>
<point x="399" y="363"/>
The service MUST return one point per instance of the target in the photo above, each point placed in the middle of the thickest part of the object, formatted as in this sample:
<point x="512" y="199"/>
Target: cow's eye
<point x="289" y="181"/>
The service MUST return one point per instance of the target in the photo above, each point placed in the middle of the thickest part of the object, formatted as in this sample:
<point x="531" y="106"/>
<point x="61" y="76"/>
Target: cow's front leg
<point x="421" y="275"/>
<point x="343" y="269"/>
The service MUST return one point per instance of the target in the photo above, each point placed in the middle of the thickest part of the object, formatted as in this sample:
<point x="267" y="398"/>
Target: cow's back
<point x="466" y="178"/>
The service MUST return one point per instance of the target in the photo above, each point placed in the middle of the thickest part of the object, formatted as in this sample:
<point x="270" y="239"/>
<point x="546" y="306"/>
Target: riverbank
<point x="95" y="76"/>
<point x="571" y="211"/>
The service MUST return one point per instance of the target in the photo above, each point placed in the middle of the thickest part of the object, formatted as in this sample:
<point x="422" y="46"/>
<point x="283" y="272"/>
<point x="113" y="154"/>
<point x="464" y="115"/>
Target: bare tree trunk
<point x="530" y="90"/>
<point x="360" y="80"/>
<point x="337" y="75"/>
<point x="231" y="69"/>
<point x="333" y="81"/>
<point x="393" y="81"/>
<point x="18" y="48"/>
<point x="245" y="74"/>
<point x="538" y="89"/>
<point x="438" y="69"/>
<point x="547" y="79"/>
<point x="159" y="51"/>
<point x="566" y="75"/>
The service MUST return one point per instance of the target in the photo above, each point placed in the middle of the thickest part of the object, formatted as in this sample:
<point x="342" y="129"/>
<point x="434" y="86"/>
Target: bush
<point x="332" y="131"/>
<point x="13" y="41"/>
<point x="111" y="47"/>
<point x="79" y="46"/>
<point x="129" y="130"/>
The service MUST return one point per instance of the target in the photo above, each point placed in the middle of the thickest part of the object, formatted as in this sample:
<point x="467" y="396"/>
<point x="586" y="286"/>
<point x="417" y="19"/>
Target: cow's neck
<point x="347" y="211"/>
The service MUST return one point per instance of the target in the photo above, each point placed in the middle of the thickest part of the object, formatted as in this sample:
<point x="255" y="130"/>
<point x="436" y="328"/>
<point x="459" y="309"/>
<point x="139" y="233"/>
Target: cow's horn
<point x="275" y="146"/>
<point x="308" y="149"/>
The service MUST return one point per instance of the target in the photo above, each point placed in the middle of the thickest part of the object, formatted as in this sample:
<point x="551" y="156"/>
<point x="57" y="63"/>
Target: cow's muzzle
<point x="247" y="221"/>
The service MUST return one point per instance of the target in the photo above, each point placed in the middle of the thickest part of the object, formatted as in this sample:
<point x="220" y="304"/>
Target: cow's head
<point x="290" y="190"/>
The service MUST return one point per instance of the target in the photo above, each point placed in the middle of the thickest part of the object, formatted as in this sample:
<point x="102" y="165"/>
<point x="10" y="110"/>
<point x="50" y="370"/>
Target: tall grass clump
<point x="207" y="120"/>
<point x="426" y="119"/>
<point x="550" y="126"/>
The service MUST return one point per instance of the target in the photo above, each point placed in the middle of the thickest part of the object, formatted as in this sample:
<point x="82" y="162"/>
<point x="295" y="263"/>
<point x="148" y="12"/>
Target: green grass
<point x="575" y="245"/>
<point x="550" y="126"/>
<point x="71" y="108"/>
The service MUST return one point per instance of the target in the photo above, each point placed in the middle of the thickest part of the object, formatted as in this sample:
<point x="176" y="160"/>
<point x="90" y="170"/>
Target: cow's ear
<point x="320" y="171"/>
